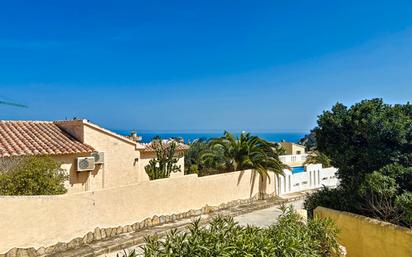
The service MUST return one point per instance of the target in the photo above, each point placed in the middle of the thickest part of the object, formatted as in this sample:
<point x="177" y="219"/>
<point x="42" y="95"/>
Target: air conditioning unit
<point x="98" y="157"/>
<point x="85" y="163"/>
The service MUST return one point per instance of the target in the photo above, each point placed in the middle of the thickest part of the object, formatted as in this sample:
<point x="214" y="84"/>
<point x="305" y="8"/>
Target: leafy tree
<point x="165" y="162"/>
<point x="365" y="137"/>
<point x="335" y="198"/>
<point x="403" y="203"/>
<point x="246" y="152"/>
<point x="401" y="174"/>
<point x="32" y="175"/>
<point x="371" y="145"/>
<point x="309" y="141"/>
<point x="378" y="193"/>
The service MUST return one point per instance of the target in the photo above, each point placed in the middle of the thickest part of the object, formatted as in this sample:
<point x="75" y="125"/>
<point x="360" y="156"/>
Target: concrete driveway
<point x="265" y="217"/>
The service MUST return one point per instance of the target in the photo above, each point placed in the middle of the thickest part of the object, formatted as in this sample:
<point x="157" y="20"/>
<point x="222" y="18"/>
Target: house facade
<point x="302" y="176"/>
<point x="292" y="148"/>
<point x="67" y="141"/>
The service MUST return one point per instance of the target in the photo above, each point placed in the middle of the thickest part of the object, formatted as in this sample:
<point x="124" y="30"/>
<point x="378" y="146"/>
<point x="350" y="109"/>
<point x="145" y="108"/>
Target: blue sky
<point x="201" y="66"/>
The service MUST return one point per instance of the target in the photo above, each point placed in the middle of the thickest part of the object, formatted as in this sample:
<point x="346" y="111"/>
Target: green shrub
<point x="382" y="195"/>
<point x="378" y="192"/>
<point x="31" y="175"/>
<point x="402" y="175"/>
<point x="224" y="237"/>
<point x="403" y="203"/>
<point x="327" y="197"/>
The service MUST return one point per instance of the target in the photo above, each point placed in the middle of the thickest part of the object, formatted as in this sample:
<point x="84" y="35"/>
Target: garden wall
<point x="314" y="177"/>
<point x="34" y="221"/>
<point x="363" y="236"/>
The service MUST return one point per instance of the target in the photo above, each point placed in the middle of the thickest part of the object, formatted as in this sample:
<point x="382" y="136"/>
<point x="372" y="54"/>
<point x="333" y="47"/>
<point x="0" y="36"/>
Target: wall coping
<point x="365" y="219"/>
<point x="157" y="181"/>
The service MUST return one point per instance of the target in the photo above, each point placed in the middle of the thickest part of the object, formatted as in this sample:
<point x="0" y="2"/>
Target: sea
<point x="190" y="136"/>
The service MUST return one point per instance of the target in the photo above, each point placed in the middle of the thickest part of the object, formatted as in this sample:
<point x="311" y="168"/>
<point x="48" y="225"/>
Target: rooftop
<point x="19" y="138"/>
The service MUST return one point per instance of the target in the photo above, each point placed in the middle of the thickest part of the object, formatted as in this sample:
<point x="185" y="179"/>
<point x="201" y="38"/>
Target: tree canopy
<point x="365" y="137"/>
<point x="371" y="145"/>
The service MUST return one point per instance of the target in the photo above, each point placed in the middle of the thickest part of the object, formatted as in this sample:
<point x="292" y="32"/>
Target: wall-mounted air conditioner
<point x="98" y="157"/>
<point x="85" y="163"/>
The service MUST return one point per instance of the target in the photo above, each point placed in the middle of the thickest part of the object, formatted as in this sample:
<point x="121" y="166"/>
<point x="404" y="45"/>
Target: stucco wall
<point x="292" y="149"/>
<point x="298" y="149"/>
<point x="78" y="181"/>
<point x="120" y="166"/>
<point x="364" y="236"/>
<point x="34" y="221"/>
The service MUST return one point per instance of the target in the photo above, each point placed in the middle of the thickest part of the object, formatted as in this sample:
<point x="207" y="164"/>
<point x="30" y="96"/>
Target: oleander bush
<point x="224" y="237"/>
<point x="31" y="175"/>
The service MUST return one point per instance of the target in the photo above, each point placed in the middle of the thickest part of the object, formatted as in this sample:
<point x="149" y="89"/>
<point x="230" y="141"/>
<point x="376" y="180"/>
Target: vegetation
<point x="371" y="145"/>
<point x="318" y="157"/>
<point x="230" y="153"/>
<point x="195" y="164"/>
<point x="165" y="161"/>
<point x="32" y="175"/>
<point x="327" y="197"/>
<point x="309" y="141"/>
<point x="224" y="237"/>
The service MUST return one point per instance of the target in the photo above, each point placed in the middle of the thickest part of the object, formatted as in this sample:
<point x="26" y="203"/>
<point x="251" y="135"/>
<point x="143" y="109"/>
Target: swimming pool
<point x="298" y="169"/>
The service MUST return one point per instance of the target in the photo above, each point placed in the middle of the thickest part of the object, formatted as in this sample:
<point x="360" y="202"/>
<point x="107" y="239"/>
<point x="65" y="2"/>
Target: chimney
<point x="133" y="136"/>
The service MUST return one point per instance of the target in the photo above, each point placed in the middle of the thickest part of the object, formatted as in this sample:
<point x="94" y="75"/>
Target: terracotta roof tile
<point x="37" y="138"/>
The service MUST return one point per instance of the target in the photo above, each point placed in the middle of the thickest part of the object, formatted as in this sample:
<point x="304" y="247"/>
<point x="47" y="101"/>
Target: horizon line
<point x="213" y="131"/>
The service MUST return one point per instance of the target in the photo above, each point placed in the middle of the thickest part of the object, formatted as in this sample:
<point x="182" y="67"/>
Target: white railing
<point x="293" y="158"/>
<point x="313" y="177"/>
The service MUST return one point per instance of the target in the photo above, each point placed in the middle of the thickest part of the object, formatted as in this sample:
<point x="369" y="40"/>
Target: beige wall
<point x="34" y="221"/>
<point x="298" y="149"/>
<point x="364" y="236"/>
<point x="120" y="166"/>
<point x="292" y="148"/>
<point x="78" y="181"/>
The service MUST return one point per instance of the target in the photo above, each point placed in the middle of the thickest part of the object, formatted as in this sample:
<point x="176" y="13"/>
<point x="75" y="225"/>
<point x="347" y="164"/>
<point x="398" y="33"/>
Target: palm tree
<point x="245" y="152"/>
<point x="317" y="157"/>
<point x="195" y="163"/>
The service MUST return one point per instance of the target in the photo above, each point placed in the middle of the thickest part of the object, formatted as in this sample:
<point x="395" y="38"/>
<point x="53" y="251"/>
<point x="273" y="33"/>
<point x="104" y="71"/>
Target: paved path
<point x="265" y="217"/>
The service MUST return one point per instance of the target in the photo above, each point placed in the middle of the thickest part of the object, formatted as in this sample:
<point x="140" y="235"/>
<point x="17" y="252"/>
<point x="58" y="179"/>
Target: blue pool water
<point x="298" y="169"/>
